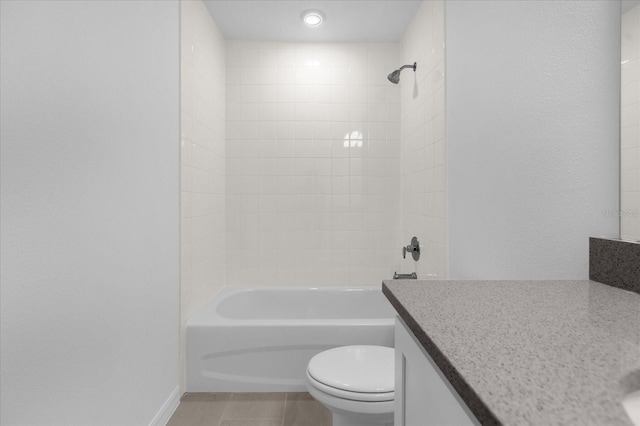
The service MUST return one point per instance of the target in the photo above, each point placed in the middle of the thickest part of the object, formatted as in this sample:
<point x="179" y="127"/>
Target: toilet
<point x="356" y="383"/>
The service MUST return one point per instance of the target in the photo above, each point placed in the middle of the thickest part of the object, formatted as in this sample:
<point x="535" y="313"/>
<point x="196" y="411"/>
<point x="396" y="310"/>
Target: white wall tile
<point x="310" y="110"/>
<point x="422" y="146"/>
<point x="204" y="169"/>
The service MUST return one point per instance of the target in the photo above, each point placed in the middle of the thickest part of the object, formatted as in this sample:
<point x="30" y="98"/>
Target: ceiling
<point x="381" y="21"/>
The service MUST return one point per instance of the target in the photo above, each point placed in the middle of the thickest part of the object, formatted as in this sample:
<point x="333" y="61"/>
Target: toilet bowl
<point x="356" y="383"/>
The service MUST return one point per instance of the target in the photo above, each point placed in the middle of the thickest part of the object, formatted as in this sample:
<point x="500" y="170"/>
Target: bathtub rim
<point x="208" y="316"/>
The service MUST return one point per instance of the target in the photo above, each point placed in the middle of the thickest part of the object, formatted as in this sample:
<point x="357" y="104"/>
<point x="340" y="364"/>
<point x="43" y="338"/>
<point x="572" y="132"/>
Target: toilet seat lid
<point x="363" y="369"/>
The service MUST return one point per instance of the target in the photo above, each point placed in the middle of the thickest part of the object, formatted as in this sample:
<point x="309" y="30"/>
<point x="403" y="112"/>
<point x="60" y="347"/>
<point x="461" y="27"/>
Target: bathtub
<point x="255" y="339"/>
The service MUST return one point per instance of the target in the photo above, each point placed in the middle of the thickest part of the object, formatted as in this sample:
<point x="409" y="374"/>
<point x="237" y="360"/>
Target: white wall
<point x="630" y="126"/>
<point x="90" y="211"/>
<point x="202" y="172"/>
<point x="532" y="135"/>
<point x="423" y="167"/>
<point x="313" y="164"/>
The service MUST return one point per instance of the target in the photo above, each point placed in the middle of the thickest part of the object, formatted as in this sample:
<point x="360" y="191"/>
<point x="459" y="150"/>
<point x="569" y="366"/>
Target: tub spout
<point x="411" y="276"/>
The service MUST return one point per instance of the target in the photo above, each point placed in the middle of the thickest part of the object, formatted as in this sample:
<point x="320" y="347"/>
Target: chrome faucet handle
<point x="413" y="248"/>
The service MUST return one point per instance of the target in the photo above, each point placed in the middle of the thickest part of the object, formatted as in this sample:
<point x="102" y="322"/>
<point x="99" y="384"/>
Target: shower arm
<point x="414" y="66"/>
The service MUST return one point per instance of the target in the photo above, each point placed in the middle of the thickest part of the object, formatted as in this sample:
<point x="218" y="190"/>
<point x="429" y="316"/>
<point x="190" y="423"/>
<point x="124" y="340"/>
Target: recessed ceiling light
<point x="312" y="18"/>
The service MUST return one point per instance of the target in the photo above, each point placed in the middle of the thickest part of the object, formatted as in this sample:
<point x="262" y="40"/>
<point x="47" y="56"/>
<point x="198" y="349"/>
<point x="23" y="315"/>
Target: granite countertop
<point x="529" y="352"/>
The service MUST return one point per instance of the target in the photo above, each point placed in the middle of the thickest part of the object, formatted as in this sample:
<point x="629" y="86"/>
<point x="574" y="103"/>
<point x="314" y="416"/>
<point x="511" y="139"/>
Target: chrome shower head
<point x="394" y="77"/>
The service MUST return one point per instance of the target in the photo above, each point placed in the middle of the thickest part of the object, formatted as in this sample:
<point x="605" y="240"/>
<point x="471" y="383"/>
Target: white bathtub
<point x="253" y="339"/>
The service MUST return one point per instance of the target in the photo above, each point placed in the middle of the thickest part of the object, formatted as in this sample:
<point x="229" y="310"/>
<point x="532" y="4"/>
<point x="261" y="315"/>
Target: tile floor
<point x="250" y="409"/>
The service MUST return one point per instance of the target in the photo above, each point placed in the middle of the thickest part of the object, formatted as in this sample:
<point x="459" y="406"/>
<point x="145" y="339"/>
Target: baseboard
<point x="169" y="406"/>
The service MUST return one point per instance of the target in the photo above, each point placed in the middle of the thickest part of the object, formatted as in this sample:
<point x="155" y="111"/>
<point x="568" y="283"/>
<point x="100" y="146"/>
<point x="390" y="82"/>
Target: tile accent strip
<point x="615" y="263"/>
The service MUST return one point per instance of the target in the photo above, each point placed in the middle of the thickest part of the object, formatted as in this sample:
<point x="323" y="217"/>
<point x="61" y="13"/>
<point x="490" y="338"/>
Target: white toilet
<point x="356" y="383"/>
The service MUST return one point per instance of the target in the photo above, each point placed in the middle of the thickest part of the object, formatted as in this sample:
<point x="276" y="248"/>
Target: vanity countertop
<point x="529" y="352"/>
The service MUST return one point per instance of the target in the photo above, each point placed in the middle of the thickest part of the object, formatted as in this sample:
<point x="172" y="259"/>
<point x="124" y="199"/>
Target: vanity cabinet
<point x="423" y="395"/>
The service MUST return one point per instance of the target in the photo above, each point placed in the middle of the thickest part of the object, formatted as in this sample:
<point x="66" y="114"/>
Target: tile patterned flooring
<point x="250" y="409"/>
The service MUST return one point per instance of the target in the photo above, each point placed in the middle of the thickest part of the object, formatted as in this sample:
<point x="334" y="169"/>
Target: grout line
<point x="284" y="412"/>
<point x="225" y="409"/>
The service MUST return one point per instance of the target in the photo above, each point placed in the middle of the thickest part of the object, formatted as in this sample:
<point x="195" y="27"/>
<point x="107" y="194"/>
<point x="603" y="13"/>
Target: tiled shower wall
<point x="313" y="164"/>
<point x="630" y="125"/>
<point x="423" y="163"/>
<point x="202" y="175"/>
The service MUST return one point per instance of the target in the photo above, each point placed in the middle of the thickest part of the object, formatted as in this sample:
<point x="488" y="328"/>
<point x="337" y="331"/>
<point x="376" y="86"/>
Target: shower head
<point x="394" y="77"/>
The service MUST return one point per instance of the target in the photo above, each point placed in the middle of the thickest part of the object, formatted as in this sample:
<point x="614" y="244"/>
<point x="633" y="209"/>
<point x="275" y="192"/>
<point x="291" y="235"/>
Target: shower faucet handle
<point x="409" y="249"/>
<point x="413" y="248"/>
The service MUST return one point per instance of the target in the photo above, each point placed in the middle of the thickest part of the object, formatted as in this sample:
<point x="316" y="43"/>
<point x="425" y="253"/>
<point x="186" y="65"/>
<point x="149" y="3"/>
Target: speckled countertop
<point x="529" y="352"/>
